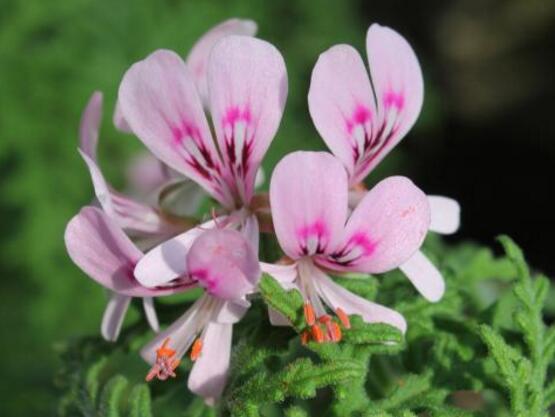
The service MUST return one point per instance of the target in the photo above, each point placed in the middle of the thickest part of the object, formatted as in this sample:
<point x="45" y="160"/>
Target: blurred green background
<point x="483" y="136"/>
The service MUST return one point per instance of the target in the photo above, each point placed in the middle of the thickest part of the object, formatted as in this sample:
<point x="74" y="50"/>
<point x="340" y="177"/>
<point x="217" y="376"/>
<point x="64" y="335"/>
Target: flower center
<point x="322" y="327"/>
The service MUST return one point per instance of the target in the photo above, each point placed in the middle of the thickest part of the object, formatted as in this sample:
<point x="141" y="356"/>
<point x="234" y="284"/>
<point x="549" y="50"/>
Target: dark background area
<point x="486" y="135"/>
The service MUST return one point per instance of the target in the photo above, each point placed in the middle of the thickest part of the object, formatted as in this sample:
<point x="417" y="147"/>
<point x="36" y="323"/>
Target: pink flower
<point x="96" y="243"/>
<point x="362" y="118"/>
<point x="225" y="264"/>
<point x="309" y="202"/>
<point x="247" y="85"/>
<point x="141" y="219"/>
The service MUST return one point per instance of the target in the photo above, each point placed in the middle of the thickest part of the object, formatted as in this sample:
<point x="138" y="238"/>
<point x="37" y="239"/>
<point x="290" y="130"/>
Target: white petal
<point x="336" y="296"/>
<point x="251" y="231"/>
<point x="230" y="312"/>
<point x="424" y="276"/>
<point x="446" y="214"/>
<point x="281" y="273"/>
<point x="150" y="313"/>
<point x="181" y="333"/>
<point x="114" y="315"/>
<point x="277" y="319"/>
<point x="209" y="374"/>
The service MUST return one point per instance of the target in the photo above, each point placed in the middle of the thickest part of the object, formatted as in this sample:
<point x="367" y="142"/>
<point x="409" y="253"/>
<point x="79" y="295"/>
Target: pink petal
<point x="197" y="60"/>
<point x="341" y="103"/>
<point x="308" y="198"/>
<point x="90" y="125"/>
<point x="336" y="296"/>
<point x="224" y="263"/>
<point x="424" y="276"/>
<point x="247" y="83"/>
<point x="209" y="374"/>
<point x="385" y="229"/>
<point x="100" y="248"/>
<point x="166" y="262"/>
<point x="113" y="317"/>
<point x="145" y="173"/>
<point x="119" y="120"/>
<point x="160" y="103"/>
<point x="446" y="214"/>
<point x="398" y="86"/>
<point x="150" y="313"/>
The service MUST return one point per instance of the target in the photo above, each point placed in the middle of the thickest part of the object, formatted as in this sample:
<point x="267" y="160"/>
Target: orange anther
<point x="334" y="331"/>
<point x="309" y="315"/>
<point x="317" y="333"/>
<point x="305" y="337"/>
<point x="343" y="317"/>
<point x="326" y="318"/>
<point x="196" y="349"/>
<point x="164" y="350"/>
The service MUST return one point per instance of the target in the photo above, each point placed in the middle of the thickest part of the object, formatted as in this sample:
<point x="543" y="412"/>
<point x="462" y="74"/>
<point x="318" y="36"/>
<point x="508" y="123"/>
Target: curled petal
<point x="100" y="248"/>
<point x="308" y="198"/>
<point x="247" y="83"/>
<point x="224" y="263"/>
<point x="336" y="296"/>
<point x="384" y="230"/>
<point x="446" y="214"/>
<point x="209" y="374"/>
<point x="425" y="277"/>
<point x="159" y="101"/>
<point x="90" y="124"/>
<point x="197" y="60"/>
<point x="166" y="262"/>
<point x="135" y="217"/>
<point x="341" y="104"/>
<point x="113" y="317"/>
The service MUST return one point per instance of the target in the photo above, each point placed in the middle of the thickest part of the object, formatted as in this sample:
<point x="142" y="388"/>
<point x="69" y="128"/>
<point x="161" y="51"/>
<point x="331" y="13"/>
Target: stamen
<point x="325" y="319"/>
<point x="317" y="333"/>
<point x="164" y="366"/>
<point x="305" y="337"/>
<point x="334" y="331"/>
<point x="343" y="317"/>
<point x="196" y="350"/>
<point x="309" y="315"/>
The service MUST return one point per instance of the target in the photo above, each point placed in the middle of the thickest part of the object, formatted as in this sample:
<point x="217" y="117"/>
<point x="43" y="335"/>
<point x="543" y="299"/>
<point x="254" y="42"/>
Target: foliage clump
<point x="483" y="350"/>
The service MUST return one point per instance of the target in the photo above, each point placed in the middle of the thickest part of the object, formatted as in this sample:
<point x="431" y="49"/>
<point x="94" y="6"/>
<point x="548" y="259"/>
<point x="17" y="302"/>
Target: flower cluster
<point x="208" y="122"/>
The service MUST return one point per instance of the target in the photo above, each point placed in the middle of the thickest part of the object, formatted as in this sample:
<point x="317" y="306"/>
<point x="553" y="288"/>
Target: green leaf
<point x="111" y="397"/>
<point x="289" y="303"/>
<point x="139" y="401"/>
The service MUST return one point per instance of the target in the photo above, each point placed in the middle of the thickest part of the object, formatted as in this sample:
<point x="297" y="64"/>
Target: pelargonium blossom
<point x="98" y="245"/>
<point x="362" y="118"/>
<point x="144" y="219"/>
<point x="224" y="263"/>
<point x="309" y="202"/>
<point x="247" y="85"/>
